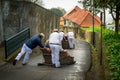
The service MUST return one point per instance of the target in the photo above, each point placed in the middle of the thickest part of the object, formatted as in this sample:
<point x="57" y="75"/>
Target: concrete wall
<point x="88" y="36"/>
<point x="15" y="15"/>
<point x="1" y="26"/>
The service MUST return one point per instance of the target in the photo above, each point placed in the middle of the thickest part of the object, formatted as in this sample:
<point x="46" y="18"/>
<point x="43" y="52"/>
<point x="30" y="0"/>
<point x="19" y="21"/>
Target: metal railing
<point x="16" y="41"/>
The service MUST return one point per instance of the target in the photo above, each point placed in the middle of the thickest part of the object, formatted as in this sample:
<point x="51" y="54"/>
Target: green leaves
<point x="58" y="11"/>
<point x="112" y="42"/>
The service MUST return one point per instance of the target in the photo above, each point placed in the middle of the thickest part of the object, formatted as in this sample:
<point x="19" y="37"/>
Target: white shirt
<point x="70" y="35"/>
<point x="54" y="38"/>
<point x="61" y="35"/>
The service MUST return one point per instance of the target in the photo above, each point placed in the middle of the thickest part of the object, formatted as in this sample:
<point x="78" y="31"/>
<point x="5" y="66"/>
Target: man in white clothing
<point x="71" y="39"/>
<point x="61" y="37"/>
<point x="54" y="42"/>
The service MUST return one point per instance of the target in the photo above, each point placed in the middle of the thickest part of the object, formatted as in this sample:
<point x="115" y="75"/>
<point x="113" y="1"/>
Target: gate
<point x="16" y="41"/>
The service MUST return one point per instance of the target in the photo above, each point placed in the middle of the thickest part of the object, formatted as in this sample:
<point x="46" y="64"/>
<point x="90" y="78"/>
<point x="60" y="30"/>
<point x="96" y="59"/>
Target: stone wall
<point x="1" y="26"/>
<point x="88" y="36"/>
<point x="16" y="15"/>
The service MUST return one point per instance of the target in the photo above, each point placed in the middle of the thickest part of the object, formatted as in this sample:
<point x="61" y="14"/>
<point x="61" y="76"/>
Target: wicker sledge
<point x="65" y="43"/>
<point x="65" y="58"/>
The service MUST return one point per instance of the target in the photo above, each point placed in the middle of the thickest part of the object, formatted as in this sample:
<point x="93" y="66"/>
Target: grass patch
<point x="96" y="29"/>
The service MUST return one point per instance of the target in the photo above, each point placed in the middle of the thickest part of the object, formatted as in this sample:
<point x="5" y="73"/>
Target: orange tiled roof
<point x="82" y="17"/>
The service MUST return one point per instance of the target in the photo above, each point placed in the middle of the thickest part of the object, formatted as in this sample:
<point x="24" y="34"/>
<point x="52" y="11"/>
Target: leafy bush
<point x="112" y="42"/>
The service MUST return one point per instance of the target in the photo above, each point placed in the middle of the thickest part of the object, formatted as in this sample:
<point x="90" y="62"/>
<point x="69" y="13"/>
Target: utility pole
<point x="101" y="55"/>
<point x="93" y="35"/>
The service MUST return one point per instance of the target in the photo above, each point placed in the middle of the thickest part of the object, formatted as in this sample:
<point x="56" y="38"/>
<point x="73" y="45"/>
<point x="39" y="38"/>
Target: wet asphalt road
<point x="31" y="71"/>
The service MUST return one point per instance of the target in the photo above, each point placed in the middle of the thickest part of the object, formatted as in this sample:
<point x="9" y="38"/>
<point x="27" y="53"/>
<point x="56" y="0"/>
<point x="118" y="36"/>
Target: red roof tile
<point x="82" y="17"/>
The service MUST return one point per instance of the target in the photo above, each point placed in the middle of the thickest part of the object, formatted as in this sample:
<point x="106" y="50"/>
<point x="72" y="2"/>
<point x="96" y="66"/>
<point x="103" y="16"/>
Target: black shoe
<point x="40" y="64"/>
<point x="14" y="62"/>
<point x="24" y="64"/>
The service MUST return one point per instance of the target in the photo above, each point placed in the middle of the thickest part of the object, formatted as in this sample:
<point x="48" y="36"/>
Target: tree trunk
<point x="104" y="18"/>
<point x="117" y="20"/>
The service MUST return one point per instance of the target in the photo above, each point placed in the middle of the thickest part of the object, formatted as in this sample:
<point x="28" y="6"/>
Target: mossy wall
<point x="15" y="15"/>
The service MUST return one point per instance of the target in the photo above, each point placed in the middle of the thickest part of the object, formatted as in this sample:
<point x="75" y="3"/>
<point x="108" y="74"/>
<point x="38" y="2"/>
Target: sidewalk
<point x="31" y="71"/>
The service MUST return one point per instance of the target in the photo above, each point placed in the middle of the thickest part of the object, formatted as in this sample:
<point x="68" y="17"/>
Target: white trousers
<point x="71" y="42"/>
<point x="55" y="51"/>
<point x="25" y="50"/>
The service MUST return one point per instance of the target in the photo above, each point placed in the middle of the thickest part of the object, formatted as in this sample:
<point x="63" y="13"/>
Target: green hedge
<point x="112" y="42"/>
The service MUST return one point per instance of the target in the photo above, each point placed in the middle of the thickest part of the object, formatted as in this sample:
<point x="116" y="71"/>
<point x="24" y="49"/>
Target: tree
<point x="39" y="2"/>
<point x="88" y="4"/>
<point x="59" y="11"/>
<point x="112" y="5"/>
<point x="114" y="9"/>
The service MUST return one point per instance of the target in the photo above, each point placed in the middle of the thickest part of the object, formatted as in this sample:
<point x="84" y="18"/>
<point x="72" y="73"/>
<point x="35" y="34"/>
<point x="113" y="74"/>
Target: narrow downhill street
<point x="77" y="71"/>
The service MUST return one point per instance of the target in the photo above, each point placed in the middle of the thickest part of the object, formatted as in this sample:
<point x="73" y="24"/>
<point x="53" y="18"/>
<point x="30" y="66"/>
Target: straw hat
<point x="55" y="30"/>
